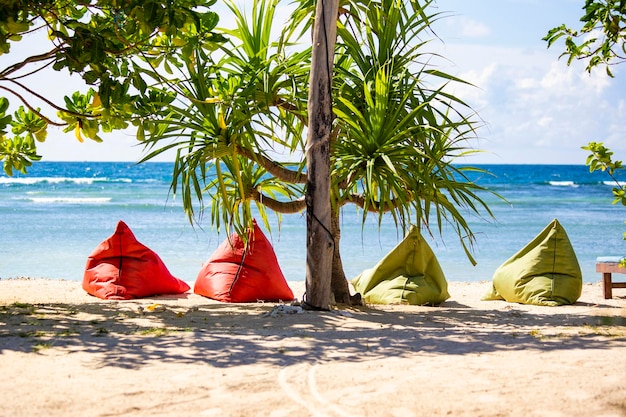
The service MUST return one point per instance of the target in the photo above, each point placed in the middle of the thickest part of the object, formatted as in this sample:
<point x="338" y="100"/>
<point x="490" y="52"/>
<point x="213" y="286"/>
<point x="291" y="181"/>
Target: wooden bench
<point x="607" y="266"/>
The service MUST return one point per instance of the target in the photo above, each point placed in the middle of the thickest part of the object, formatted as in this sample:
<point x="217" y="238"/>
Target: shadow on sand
<point x="131" y="335"/>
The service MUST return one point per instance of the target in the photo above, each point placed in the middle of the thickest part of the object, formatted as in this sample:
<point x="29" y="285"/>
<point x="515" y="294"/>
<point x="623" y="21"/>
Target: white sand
<point x="65" y="353"/>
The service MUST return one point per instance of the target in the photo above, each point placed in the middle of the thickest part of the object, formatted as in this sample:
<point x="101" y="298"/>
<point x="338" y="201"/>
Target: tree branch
<point x="45" y="100"/>
<point x="28" y="74"/>
<point x="274" y="168"/>
<point x="31" y="108"/>
<point x="35" y="58"/>
<point x="285" y="105"/>
<point x="286" y="207"/>
<point x="373" y="206"/>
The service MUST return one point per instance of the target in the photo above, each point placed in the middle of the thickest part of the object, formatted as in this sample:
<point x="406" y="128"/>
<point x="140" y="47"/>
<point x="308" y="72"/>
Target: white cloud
<point x="470" y="28"/>
<point x="544" y="121"/>
<point x="525" y="83"/>
<point x="538" y="110"/>
<point x="573" y="80"/>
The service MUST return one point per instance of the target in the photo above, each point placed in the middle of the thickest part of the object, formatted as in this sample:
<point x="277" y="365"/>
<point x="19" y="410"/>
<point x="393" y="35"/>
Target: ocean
<point x="52" y="218"/>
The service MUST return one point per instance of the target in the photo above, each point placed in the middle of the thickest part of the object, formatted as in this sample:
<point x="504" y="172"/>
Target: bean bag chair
<point x="121" y="268"/>
<point x="236" y="273"/>
<point x="409" y="274"/>
<point x="545" y="272"/>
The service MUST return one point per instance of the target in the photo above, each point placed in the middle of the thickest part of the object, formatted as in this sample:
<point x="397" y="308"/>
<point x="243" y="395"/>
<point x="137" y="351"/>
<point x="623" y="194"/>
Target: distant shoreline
<point x="135" y="162"/>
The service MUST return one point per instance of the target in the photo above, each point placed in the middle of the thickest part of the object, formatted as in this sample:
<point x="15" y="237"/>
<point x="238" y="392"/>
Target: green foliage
<point x="18" y="152"/>
<point x="398" y="137"/>
<point x="110" y="44"/>
<point x="226" y="119"/>
<point x="602" y="38"/>
<point x="395" y="138"/>
<point x="78" y="116"/>
<point x="601" y="159"/>
<point x="30" y="123"/>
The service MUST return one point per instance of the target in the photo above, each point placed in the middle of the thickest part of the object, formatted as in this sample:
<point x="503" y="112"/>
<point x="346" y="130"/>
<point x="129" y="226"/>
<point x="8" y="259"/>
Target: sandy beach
<point x="65" y="353"/>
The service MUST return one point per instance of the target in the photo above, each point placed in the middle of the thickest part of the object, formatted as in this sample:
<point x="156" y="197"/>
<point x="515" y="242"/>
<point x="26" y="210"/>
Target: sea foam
<point x="70" y="200"/>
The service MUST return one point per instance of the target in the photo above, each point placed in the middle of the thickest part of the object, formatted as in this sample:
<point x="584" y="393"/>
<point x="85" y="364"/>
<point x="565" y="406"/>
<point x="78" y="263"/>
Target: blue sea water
<point x="53" y="218"/>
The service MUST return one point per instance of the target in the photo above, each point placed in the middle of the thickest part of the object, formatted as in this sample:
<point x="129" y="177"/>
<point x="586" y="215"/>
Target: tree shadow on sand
<point x="133" y="334"/>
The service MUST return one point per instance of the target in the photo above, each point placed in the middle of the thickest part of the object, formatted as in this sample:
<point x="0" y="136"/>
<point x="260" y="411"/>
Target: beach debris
<point x="155" y="308"/>
<point x="282" y="309"/>
<point x="342" y="313"/>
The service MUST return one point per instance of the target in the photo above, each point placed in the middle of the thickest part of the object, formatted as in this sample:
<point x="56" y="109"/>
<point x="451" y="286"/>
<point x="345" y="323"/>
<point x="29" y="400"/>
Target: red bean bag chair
<point x="121" y="268"/>
<point x="238" y="274"/>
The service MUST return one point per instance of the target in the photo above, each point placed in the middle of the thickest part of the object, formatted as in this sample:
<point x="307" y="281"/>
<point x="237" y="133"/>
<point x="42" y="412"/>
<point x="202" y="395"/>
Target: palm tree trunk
<point x="339" y="283"/>
<point x="319" y="238"/>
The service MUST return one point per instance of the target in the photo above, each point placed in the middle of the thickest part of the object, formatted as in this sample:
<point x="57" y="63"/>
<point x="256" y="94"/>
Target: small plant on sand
<point x="161" y="331"/>
<point x="67" y="332"/>
<point x="18" y="308"/>
<point x="38" y="347"/>
<point x="155" y="331"/>
<point x="101" y="331"/>
<point x="33" y="333"/>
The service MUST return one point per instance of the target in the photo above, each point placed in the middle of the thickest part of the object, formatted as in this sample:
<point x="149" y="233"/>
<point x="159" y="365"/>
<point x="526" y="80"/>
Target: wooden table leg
<point x="607" y="285"/>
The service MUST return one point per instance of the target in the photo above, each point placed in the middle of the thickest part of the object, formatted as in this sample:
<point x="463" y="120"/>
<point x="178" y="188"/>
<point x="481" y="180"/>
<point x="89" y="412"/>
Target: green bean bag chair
<point x="545" y="272"/>
<point x="408" y="274"/>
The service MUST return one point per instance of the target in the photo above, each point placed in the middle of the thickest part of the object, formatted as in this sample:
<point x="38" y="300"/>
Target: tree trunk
<point x="319" y="238"/>
<point x="339" y="284"/>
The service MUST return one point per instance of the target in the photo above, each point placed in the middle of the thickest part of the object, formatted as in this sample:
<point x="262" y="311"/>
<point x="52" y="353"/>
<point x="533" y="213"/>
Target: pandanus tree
<point x="237" y="120"/>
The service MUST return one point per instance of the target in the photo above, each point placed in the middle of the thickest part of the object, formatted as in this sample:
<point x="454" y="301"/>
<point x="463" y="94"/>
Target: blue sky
<point x="536" y="109"/>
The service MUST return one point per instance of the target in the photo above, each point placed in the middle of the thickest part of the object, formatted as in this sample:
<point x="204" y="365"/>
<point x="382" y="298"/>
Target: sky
<point x="535" y="109"/>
